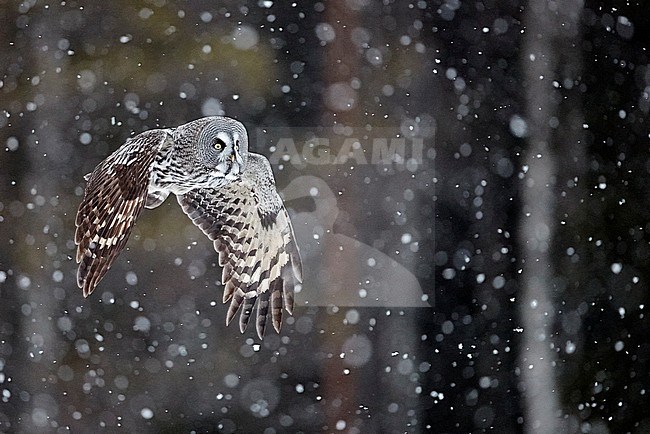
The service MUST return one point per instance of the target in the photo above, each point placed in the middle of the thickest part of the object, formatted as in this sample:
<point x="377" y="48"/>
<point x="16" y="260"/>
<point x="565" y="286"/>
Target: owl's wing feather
<point x="254" y="238"/>
<point x="113" y="199"/>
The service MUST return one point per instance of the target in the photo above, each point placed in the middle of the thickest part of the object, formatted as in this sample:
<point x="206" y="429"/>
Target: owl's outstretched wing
<point x="113" y="199"/>
<point x="253" y="235"/>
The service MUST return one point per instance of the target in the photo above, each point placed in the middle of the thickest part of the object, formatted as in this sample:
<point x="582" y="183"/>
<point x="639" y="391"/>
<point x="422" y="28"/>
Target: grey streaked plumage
<point x="228" y="193"/>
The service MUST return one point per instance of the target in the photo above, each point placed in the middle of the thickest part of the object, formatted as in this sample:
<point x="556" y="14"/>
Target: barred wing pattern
<point x="113" y="199"/>
<point x="253" y="235"/>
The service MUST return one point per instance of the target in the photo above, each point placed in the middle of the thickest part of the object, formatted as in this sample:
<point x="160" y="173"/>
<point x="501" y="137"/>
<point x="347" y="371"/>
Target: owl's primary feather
<point x="226" y="191"/>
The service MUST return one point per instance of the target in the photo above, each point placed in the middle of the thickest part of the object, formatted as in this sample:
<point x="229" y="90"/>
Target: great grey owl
<point x="228" y="192"/>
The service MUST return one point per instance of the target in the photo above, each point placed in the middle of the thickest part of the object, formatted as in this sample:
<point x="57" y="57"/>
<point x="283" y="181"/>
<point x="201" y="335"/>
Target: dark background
<point x="527" y="217"/>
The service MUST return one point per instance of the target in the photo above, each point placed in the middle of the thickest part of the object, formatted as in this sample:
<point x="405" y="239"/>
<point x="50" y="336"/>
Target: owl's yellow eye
<point x="219" y="144"/>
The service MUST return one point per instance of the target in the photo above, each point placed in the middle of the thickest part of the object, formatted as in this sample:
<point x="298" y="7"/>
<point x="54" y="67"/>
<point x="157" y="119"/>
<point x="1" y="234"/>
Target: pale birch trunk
<point x="551" y="28"/>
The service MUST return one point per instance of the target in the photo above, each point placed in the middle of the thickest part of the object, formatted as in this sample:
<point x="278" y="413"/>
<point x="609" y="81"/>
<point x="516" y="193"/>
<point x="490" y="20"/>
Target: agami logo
<point x="340" y="270"/>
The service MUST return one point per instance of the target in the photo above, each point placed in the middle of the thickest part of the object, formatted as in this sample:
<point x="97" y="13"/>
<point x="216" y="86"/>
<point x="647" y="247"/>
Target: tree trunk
<point x="550" y="30"/>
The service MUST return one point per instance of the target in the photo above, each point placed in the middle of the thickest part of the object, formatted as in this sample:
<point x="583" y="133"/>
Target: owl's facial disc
<point x="221" y="145"/>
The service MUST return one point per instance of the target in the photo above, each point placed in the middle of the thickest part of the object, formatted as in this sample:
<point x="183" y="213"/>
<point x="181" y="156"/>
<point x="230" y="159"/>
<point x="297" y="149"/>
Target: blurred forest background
<point x="524" y="222"/>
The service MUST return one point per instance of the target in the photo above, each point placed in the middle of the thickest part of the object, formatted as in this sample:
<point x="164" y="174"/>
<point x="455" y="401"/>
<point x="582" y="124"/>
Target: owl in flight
<point x="228" y="192"/>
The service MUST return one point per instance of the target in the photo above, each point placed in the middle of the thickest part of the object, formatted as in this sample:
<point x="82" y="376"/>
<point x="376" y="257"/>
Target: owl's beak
<point x="232" y="158"/>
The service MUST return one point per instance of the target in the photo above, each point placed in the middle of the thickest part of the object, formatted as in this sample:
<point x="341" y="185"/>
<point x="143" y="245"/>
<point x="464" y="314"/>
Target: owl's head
<point x="220" y="144"/>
